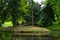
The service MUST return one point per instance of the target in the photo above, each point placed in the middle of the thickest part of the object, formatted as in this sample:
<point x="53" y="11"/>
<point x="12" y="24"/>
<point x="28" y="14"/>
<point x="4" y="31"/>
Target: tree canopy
<point x="29" y="12"/>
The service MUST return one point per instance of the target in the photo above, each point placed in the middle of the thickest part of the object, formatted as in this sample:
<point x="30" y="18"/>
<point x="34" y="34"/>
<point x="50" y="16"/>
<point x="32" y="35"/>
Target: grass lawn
<point x="6" y="24"/>
<point x="55" y="29"/>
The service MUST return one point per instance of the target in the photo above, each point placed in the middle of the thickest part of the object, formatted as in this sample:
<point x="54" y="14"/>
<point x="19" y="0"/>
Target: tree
<point x="13" y="9"/>
<point x="37" y="13"/>
<point x="33" y="12"/>
<point x="56" y="6"/>
<point x="3" y="11"/>
<point x="31" y="7"/>
<point x="48" y="15"/>
<point x="17" y="10"/>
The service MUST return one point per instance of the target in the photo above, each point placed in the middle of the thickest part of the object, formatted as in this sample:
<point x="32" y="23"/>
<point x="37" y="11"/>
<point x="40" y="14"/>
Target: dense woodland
<point x="30" y="12"/>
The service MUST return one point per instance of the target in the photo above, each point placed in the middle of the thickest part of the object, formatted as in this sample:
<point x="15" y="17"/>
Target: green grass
<point x="55" y="29"/>
<point x="6" y="24"/>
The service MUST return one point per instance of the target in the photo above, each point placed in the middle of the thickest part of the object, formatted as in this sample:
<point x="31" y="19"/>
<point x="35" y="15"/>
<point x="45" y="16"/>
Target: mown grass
<point x="6" y="35"/>
<point x="7" y="24"/>
<point x="55" y="29"/>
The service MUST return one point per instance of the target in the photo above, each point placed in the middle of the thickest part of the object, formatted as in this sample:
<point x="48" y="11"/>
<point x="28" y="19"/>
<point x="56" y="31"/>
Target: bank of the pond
<point x="55" y="29"/>
<point x="7" y="33"/>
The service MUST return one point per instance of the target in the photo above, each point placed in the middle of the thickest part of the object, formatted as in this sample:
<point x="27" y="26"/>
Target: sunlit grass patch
<point x="7" y="24"/>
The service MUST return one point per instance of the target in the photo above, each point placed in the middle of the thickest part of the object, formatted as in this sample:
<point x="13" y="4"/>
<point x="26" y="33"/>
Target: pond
<point x="13" y="34"/>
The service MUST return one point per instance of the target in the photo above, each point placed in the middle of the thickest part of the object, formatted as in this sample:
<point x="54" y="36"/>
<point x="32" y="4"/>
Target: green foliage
<point x="6" y="36"/>
<point x="33" y="12"/>
<point x="17" y="9"/>
<point x="13" y="9"/>
<point x="37" y="12"/>
<point x="56" y="6"/>
<point x="28" y="11"/>
<point x="3" y="11"/>
<point x="48" y="15"/>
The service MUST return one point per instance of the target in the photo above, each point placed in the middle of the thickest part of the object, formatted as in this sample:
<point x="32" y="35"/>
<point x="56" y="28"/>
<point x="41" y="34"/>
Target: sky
<point x="39" y="1"/>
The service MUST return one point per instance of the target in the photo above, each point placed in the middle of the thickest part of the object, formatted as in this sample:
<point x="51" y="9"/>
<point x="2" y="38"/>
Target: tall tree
<point x="34" y="12"/>
<point x="13" y="9"/>
<point x="3" y="11"/>
<point x="17" y="10"/>
<point x="48" y="15"/>
<point x="56" y="6"/>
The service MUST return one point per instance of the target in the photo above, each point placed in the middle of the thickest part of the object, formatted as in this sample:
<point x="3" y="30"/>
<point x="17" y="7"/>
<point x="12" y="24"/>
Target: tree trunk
<point x="14" y="21"/>
<point x="0" y="24"/>
<point x="32" y="14"/>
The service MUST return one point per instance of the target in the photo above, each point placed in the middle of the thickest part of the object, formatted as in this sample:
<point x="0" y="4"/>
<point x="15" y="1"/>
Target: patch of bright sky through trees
<point x="40" y="2"/>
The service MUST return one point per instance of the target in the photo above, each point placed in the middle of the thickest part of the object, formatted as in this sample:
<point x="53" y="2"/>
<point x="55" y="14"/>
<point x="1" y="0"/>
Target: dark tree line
<point x="26" y="11"/>
<point x="48" y="15"/>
